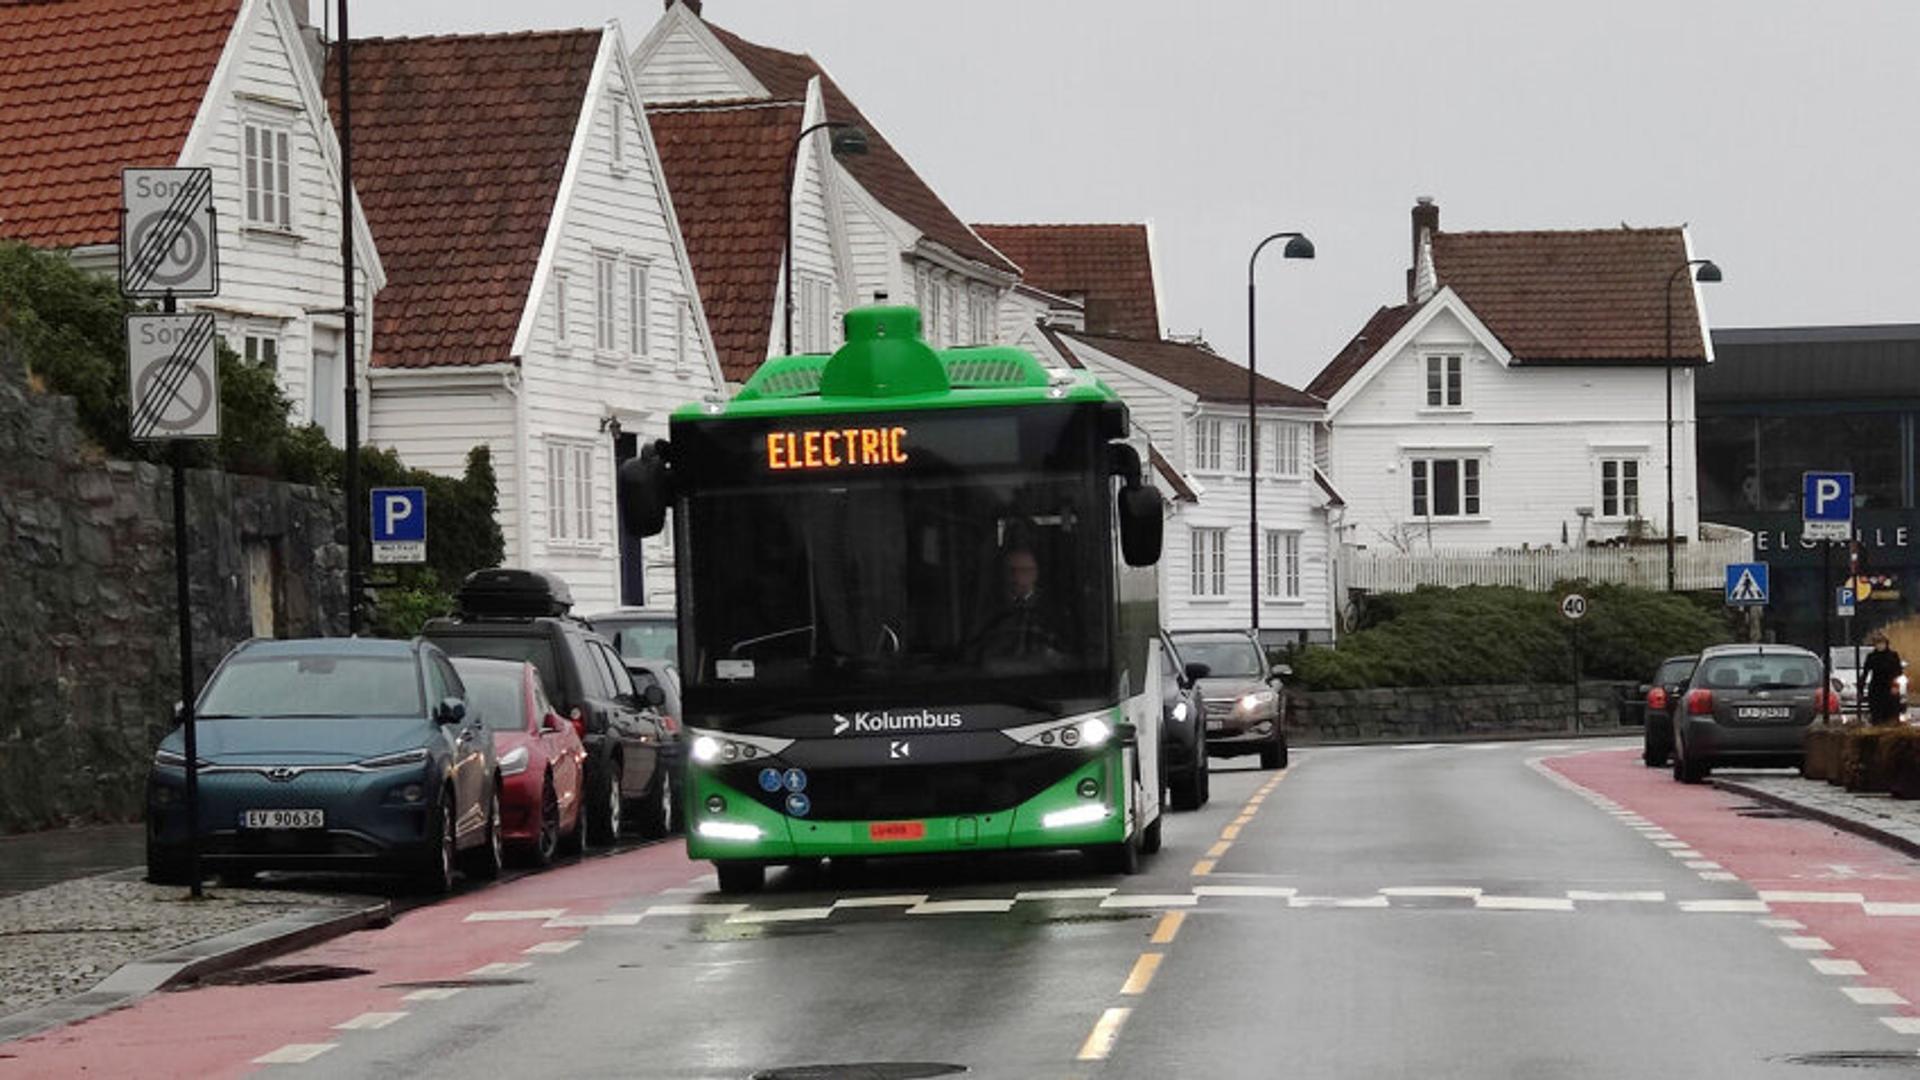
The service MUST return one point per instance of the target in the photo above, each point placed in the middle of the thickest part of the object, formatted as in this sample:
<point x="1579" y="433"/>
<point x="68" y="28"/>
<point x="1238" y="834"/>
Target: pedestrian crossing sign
<point x="1747" y="584"/>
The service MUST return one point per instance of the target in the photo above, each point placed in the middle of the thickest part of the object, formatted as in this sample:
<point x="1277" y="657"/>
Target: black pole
<point x="1670" y="522"/>
<point x="1827" y="598"/>
<point x="1253" y="453"/>
<point x="1576" y="677"/>
<point x="352" y="357"/>
<point x="185" y="616"/>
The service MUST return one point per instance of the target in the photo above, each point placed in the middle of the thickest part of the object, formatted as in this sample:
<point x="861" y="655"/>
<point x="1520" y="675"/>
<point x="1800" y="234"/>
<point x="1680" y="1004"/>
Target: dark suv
<point x="632" y="755"/>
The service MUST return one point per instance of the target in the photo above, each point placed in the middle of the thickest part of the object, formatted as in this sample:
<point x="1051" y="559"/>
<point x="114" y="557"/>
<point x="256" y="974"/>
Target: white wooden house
<point x="866" y="225"/>
<point x="221" y="84"/>
<point x="541" y="300"/>
<point x="1517" y="400"/>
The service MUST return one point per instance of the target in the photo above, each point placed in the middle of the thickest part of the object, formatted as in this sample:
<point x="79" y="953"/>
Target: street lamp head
<point x="1299" y="247"/>
<point x="1708" y="272"/>
<point x="849" y="140"/>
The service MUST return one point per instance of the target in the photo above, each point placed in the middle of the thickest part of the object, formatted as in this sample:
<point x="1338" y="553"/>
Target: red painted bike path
<point x="1841" y="873"/>
<point x="218" y="1031"/>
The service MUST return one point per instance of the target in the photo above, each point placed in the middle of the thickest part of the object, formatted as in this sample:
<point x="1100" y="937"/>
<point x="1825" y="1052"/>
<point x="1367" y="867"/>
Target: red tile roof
<point x="91" y="87"/>
<point x="881" y="170"/>
<point x="1347" y="363"/>
<point x="1109" y="267"/>
<point x="1576" y="296"/>
<point x="1211" y="376"/>
<point x="725" y="167"/>
<point x="459" y="144"/>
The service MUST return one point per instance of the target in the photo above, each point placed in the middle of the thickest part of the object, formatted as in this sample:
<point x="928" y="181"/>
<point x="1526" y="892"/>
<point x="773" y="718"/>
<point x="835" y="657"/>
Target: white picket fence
<point x="1697" y="565"/>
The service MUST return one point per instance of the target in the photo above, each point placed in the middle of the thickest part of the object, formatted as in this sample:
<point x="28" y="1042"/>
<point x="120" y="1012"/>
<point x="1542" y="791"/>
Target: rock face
<point x="1424" y="712"/>
<point x="89" y="669"/>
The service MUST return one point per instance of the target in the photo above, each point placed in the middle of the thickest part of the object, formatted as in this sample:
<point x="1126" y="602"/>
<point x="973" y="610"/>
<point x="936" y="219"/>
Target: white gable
<point x="681" y="60"/>
<point x="1444" y="319"/>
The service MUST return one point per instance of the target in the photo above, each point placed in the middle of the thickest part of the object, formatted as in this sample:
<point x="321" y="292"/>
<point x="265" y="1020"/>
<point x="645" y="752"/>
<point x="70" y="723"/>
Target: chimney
<point x="1426" y="222"/>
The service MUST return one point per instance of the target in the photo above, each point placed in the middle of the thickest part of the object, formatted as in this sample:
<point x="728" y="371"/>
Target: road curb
<point x="1301" y="743"/>
<point x="197" y="960"/>
<point x="1839" y="821"/>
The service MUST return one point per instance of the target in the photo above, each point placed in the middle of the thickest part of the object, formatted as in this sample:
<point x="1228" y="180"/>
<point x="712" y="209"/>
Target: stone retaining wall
<point x="89" y="669"/>
<point x="1426" y="712"/>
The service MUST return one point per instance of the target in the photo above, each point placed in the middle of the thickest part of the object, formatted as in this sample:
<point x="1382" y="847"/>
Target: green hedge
<point x="70" y="328"/>
<point x="1483" y="634"/>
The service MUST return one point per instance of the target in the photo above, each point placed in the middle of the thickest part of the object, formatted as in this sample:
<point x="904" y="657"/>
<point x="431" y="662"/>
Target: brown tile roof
<point x="1354" y="355"/>
<point x="1109" y="266"/>
<point x="881" y="170"/>
<point x="91" y="87"/>
<point x="459" y="144"/>
<point x="725" y="166"/>
<point x="1212" y="377"/>
<point x="1575" y="296"/>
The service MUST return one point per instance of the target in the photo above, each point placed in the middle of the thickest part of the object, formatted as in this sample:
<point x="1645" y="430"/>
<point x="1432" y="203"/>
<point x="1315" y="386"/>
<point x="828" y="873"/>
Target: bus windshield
<point x="953" y="585"/>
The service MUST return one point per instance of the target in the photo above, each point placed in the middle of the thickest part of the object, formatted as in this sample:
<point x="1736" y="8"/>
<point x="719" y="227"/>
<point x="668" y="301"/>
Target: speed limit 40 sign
<point x="1573" y="606"/>
<point x="169" y="242"/>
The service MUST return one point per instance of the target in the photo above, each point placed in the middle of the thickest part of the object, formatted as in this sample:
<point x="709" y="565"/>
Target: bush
<point x="1486" y="634"/>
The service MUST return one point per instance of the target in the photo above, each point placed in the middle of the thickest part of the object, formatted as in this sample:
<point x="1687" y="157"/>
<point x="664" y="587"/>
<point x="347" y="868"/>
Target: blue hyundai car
<point x="332" y="754"/>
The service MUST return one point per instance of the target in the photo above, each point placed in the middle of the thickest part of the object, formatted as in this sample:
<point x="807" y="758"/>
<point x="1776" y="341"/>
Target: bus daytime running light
<point x="1181" y="712"/>
<point x="729" y="830"/>
<point x="706" y="748"/>
<point x="1094" y="731"/>
<point x="1079" y="815"/>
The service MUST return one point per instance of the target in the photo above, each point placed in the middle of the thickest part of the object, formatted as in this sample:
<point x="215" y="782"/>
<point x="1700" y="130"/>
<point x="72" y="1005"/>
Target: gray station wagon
<point x="1747" y="705"/>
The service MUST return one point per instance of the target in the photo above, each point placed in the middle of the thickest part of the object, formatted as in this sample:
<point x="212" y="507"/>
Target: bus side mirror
<point x="646" y="490"/>
<point x="1142" y="522"/>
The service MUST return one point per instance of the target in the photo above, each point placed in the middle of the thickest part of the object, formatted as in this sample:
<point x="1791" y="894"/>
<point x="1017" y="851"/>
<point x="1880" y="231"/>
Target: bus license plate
<point x="897" y="830"/>
<point x="283" y="819"/>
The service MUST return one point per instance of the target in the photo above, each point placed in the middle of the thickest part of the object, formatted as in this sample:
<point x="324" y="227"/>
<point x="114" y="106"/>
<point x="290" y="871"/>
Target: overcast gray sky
<point x="1782" y="132"/>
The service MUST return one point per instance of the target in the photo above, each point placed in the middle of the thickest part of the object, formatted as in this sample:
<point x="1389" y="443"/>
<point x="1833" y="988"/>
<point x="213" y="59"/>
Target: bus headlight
<point x="1084" y="732"/>
<point x="712" y="746"/>
<point x="1095" y="732"/>
<point x="706" y="749"/>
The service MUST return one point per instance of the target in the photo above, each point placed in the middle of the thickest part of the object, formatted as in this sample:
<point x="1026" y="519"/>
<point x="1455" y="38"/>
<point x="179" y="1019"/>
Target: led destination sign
<point x="836" y="448"/>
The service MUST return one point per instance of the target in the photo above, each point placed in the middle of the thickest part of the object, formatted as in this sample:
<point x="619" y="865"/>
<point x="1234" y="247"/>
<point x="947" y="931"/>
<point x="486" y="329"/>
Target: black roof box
<point x="521" y="594"/>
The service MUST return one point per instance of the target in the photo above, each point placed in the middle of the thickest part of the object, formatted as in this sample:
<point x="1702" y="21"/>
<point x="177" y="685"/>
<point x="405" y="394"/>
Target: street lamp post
<point x="1708" y="274"/>
<point x="1298" y="247"/>
<point x="848" y="139"/>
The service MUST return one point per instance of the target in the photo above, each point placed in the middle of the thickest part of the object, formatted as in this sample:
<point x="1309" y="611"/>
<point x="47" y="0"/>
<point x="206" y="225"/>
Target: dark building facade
<point x="1777" y="403"/>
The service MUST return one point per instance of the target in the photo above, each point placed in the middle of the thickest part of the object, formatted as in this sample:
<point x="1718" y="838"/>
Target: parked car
<point x="1660" y="699"/>
<point x="640" y="633"/>
<point x="649" y="673"/>
<point x="542" y="761"/>
<point x="1245" y="710"/>
<point x="1748" y="705"/>
<point x="332" y="754"/>
<point x="523" y="615"/>
<point x="1183" y="730"/>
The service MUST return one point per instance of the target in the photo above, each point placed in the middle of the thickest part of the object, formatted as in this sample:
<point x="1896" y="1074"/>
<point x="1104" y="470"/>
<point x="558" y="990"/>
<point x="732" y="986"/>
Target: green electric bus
<point x="917" y="607"/>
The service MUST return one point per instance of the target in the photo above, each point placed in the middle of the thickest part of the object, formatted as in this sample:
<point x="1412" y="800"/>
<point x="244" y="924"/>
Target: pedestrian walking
<point x="1880" y="677"/>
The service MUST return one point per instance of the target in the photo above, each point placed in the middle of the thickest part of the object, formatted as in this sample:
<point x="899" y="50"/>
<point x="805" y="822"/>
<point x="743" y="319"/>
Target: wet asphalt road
<point x="1434" y="911"/>
<point x="1341" y="979"/>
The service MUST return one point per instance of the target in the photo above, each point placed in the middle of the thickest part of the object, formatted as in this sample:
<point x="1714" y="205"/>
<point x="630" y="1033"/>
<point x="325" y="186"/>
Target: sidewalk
<point x="1881" y="818"/>
<point x="36" y="860"/>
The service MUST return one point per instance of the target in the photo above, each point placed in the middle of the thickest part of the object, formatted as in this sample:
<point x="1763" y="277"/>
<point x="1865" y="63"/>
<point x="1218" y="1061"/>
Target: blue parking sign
<point x="1747" y="584"/>
<point x="1826" y="505"/>
<point x="399" y="523"/>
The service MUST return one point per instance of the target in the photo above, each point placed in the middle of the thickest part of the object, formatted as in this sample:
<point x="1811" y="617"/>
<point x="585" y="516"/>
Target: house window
<point x="1445" y="389"/>
<point x="984" y="330"/>
<point x="682" y="326"/>
<point x="619" y="133"/>
<point x="1620" y="488"/>
<point x="262" y="350"/>
<point x="1239" y="447"/>
<point x="603" y="302"/>
<point x="639" y="328"/>
<point x="570" y="492"/>
<point x="953" y="317"/>
<point x="1209" y="577"/>
<point x="1285" y="458"/>
<point x="933" y="313"/>
<point x="1282" y="564"/>
<point x="1206" y="445"/>
<point x="268" y="176"/>
<point x="1446" y="487"/>
<point x="816" y="314"/>
<point x="561" y="329"/>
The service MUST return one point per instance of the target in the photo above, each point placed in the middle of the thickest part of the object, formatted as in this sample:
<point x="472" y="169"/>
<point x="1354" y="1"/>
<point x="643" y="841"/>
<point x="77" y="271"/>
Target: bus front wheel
<point x="739" y="876"/>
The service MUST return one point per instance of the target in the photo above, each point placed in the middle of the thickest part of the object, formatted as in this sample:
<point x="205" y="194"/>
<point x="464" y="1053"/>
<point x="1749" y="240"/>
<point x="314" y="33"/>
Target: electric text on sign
<point x="836" y="448"/>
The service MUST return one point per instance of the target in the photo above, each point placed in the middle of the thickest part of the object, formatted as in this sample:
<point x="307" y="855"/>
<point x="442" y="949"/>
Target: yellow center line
<point x="1106" y="1031"/>
<point x="1203" y="868"/>
<point x="1142" y="974"/>
<point x="1163" y="934"/>
<point x="1219" y="849"/>
<point x="1231" y="832"/>
<point x="1243" y="819"/>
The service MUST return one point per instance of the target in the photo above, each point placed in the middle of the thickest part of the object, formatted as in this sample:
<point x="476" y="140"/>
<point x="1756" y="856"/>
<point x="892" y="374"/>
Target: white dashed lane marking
<point x="1806" y="943"/>
<point x="294" y="1054"/>
<point x="370" y="1021"/>
<point x="432" y="993"/>
<point x="516" y="916"/>
<point x="1789" y="896"/>
<point x="1826" y="966"/>
<point x="1523" y="903"/>
<point x="502" y="968"/>
<point x="1872" y="995"/>
<point x="576" y="922"/>
<point x="801" y="914"/>
<point x="549" y="948"/>
<point x="962" y="907"/>
<point x="1905" y="1025"/>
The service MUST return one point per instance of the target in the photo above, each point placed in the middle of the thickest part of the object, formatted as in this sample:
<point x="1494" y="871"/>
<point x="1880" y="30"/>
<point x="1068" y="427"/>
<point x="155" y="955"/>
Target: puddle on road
<point x="278" y="974"/>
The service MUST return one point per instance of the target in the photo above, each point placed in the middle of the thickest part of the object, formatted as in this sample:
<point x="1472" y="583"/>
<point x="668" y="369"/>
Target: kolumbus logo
<point x="886" y="721"/>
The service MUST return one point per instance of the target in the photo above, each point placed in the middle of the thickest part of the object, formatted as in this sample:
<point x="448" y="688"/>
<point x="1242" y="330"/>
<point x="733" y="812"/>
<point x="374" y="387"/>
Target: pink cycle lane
<point x="1858" y="897"/>
<point x="219" y="1031"/>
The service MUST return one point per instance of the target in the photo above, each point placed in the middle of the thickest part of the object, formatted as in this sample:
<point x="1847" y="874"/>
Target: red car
<point x="542" y="761"/>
